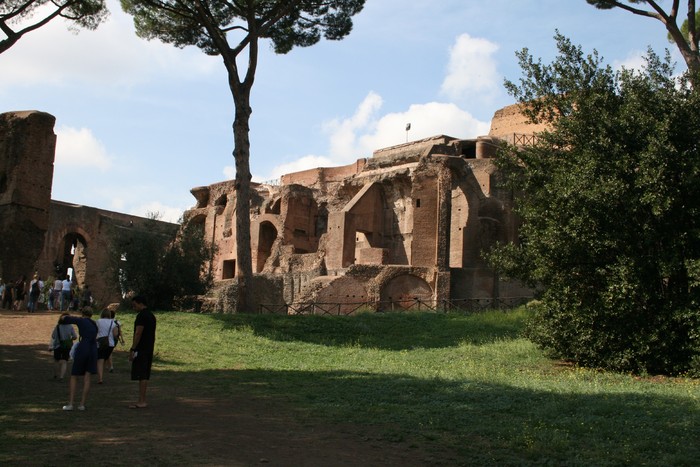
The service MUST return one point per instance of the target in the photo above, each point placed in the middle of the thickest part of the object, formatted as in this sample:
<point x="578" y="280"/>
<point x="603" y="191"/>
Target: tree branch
<point x="13" y="37"/>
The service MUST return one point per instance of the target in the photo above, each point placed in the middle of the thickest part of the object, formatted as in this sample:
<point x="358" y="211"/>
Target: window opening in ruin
<point x="74" y="259"/>
<point x="418" y="203"/>
<point x="321" y="220"/>
<point x="221" y="200"/>
<point x="266" y="238"/>
<point x="228" y="269"/>
<point x="275" y="208"/>
<point x="469" y="149"/>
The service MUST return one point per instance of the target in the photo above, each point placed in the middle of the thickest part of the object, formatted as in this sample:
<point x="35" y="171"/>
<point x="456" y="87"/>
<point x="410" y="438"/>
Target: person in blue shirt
<point x="85" y="356"/>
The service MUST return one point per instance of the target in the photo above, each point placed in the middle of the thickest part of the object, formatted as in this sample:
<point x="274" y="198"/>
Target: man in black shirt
<point x="141" y="352"/>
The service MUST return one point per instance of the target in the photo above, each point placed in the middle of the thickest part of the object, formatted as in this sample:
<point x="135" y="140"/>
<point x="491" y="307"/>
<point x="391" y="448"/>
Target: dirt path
<point x="178" y="429"/>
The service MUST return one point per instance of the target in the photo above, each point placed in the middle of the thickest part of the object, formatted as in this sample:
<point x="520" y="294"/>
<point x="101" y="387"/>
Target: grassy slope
<point x="464" y="383"/>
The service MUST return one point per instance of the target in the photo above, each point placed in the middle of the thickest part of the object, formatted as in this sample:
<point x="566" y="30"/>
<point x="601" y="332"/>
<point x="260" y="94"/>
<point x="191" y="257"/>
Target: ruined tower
<point x="27" y="148"/>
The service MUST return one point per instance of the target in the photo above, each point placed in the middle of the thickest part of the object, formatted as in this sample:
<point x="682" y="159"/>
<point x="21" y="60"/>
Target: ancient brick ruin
<point x="404" y="227"/>
<point x="43" y="235"/>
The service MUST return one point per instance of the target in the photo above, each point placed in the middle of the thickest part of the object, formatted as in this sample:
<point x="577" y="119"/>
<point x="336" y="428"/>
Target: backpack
<point x="34" y="290"/>
<point x="65" y="344"/>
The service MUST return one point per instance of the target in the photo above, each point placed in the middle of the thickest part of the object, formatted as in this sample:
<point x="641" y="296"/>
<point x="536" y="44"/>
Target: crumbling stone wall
<point x="79" y="237"/>
<point x="46" y="236"/>
<point x="409" y="223"/>
<point x="27" y="144"/>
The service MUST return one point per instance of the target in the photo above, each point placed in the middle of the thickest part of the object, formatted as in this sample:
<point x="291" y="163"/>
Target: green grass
<point x="453" y="389"/>
<point x="467" y="384"/>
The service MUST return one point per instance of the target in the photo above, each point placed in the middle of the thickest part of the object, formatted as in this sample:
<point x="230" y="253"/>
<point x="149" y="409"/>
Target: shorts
<point x="104" y="353"/>
<point x="141" y="366"/>
<point x="61" y="354"/>
<point x="85" y="359"/>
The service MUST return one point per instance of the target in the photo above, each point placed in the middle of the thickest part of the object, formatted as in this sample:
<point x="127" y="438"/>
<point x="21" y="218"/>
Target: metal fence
<point x="466" y="305"/>
<point x="520" y="139"/>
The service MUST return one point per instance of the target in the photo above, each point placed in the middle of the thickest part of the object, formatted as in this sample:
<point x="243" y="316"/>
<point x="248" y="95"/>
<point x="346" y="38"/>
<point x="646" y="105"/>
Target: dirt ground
<point x="178" y="428"/>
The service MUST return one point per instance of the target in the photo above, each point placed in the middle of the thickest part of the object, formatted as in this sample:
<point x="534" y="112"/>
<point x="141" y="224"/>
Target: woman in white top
<point x="62" y="339"/>
<point x="107" y="331"/>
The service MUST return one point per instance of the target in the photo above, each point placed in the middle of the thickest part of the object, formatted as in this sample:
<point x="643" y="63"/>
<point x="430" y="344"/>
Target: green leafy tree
<point x="685" y="37"/>
<point x="148" y="261"/>
<point x="232" y="29"/>
<point x="19" y="17"/>
<point x="609" y="197"/>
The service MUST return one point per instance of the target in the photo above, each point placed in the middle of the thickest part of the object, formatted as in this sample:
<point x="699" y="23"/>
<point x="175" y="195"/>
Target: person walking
<point x="35" y="288"/>
<point x="141" y="352"/>
<point x="56" y="295"/>
<point x="20" y="292"/>
<point x="85" y="357"/>
<point x="119" y="338"/>
<point x="107" y="333"/>
<point x="66" y="293"/>
<point x="62" y="339"/>
<point x="86" y="296"/>
<point x="7" y="296"/>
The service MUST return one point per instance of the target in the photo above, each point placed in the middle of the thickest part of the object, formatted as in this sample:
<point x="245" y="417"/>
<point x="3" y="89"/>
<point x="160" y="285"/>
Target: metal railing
<point x="465" y="305"/>
<point x="521" y="139"/>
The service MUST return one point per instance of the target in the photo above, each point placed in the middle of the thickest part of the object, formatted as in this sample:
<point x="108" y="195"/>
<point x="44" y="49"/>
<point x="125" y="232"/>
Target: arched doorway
<point x="405" y="291"/>
<point x="74" y="260"/>
<point x="266" y="238"/>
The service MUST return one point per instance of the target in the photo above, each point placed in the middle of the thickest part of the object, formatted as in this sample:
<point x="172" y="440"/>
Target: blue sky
<point x="141" y="123"/>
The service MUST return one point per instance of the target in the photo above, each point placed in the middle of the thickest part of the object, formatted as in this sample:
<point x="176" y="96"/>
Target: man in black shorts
<point x="141" y="352"/>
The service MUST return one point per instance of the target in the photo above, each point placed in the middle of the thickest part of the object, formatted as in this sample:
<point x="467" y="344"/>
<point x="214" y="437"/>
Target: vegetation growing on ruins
<point x="611" y="219"/>
<point x="142" y="261"/>
<point x="20" y="17"/>
<point x="214" y="26"/>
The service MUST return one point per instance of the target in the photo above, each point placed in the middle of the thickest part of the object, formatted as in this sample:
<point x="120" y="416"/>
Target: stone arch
<point x="263" y="234"/>
<point x="267" y="234"/>
<point x="491" y="228"/>
<point x="72" y="256"/>
<point x="459" y="218"/>
<point x="403" y="290"/>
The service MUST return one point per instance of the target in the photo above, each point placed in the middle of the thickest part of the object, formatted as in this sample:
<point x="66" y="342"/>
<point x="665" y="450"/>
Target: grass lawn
<point x="468" y="386"/>
<point x="465" y="383"/>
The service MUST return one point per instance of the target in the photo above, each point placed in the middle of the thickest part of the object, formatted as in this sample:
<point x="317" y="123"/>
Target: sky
<point x="140" y="123"/>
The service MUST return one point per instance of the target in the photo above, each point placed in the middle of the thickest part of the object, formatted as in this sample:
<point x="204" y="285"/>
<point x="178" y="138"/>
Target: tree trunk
<point x="241" y="154"/>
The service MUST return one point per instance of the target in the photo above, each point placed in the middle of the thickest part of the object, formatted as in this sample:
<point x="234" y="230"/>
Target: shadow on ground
<point x="370" y="330"/>
<point x="285" y="418"/>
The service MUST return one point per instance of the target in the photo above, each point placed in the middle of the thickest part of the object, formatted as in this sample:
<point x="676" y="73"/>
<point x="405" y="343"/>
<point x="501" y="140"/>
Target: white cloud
<point x="364" y="132"/>
<point x="305" y="163"/>
<point x="117" y="204"/>
<point x="471" y="71"/>
<point x="53" y="55"/>
<point x="344" y="132"/>
<point x="229" y="172"/>
<point x="80" y="148"/>
<point x="433" y="118"/>
<point x="166" y="213"/>
<point x="633" y="61"/>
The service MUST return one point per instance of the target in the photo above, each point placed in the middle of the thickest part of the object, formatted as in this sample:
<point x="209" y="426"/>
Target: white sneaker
<point x="81" y="407"/>
<point x="67" y="407"/>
